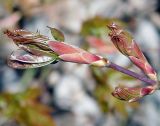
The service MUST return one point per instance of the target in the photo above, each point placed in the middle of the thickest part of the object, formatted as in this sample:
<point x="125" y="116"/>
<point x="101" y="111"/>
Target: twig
<point x="131" y="73"/>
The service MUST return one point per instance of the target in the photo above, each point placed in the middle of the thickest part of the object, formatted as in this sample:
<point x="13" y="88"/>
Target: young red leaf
<point x="125" y="43"/>
<point x="62" y="48"/>
<point x="132" y="94"/>
<point x="145" y="66"/>
<point x="73" y="54"/>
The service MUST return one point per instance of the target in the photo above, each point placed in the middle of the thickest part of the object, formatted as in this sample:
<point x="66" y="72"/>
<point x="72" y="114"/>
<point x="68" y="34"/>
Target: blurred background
<point x="68" y="94"/>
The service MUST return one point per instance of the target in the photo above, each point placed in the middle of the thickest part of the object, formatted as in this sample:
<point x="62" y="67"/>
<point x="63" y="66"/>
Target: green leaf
<point x="57" y="34"/>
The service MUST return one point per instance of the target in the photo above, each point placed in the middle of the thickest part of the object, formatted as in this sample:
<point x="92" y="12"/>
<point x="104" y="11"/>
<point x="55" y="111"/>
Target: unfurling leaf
<point x="31" y="42"/>
<point x="25" y="57"/>
<point x="57" y="34"/>
<point x="40" y="46"/>
<point x="125" y="43"/>
<point x="74" y="54"/>
<point x="145" y="66"/>
<point x="132" y="94"/>
<point x="21" y="36"/>
<point x="22" y="60"/>
<point x="23" y="65"/>
<point x="36" y="50"/>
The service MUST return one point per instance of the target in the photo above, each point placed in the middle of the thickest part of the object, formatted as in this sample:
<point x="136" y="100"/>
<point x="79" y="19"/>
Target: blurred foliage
<point x="106" y="79"/>
<point x="7" y="4"/>
<point x="26" y="6"/>
<point x="97" y="26"/>
<point x="25" y="108"/>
